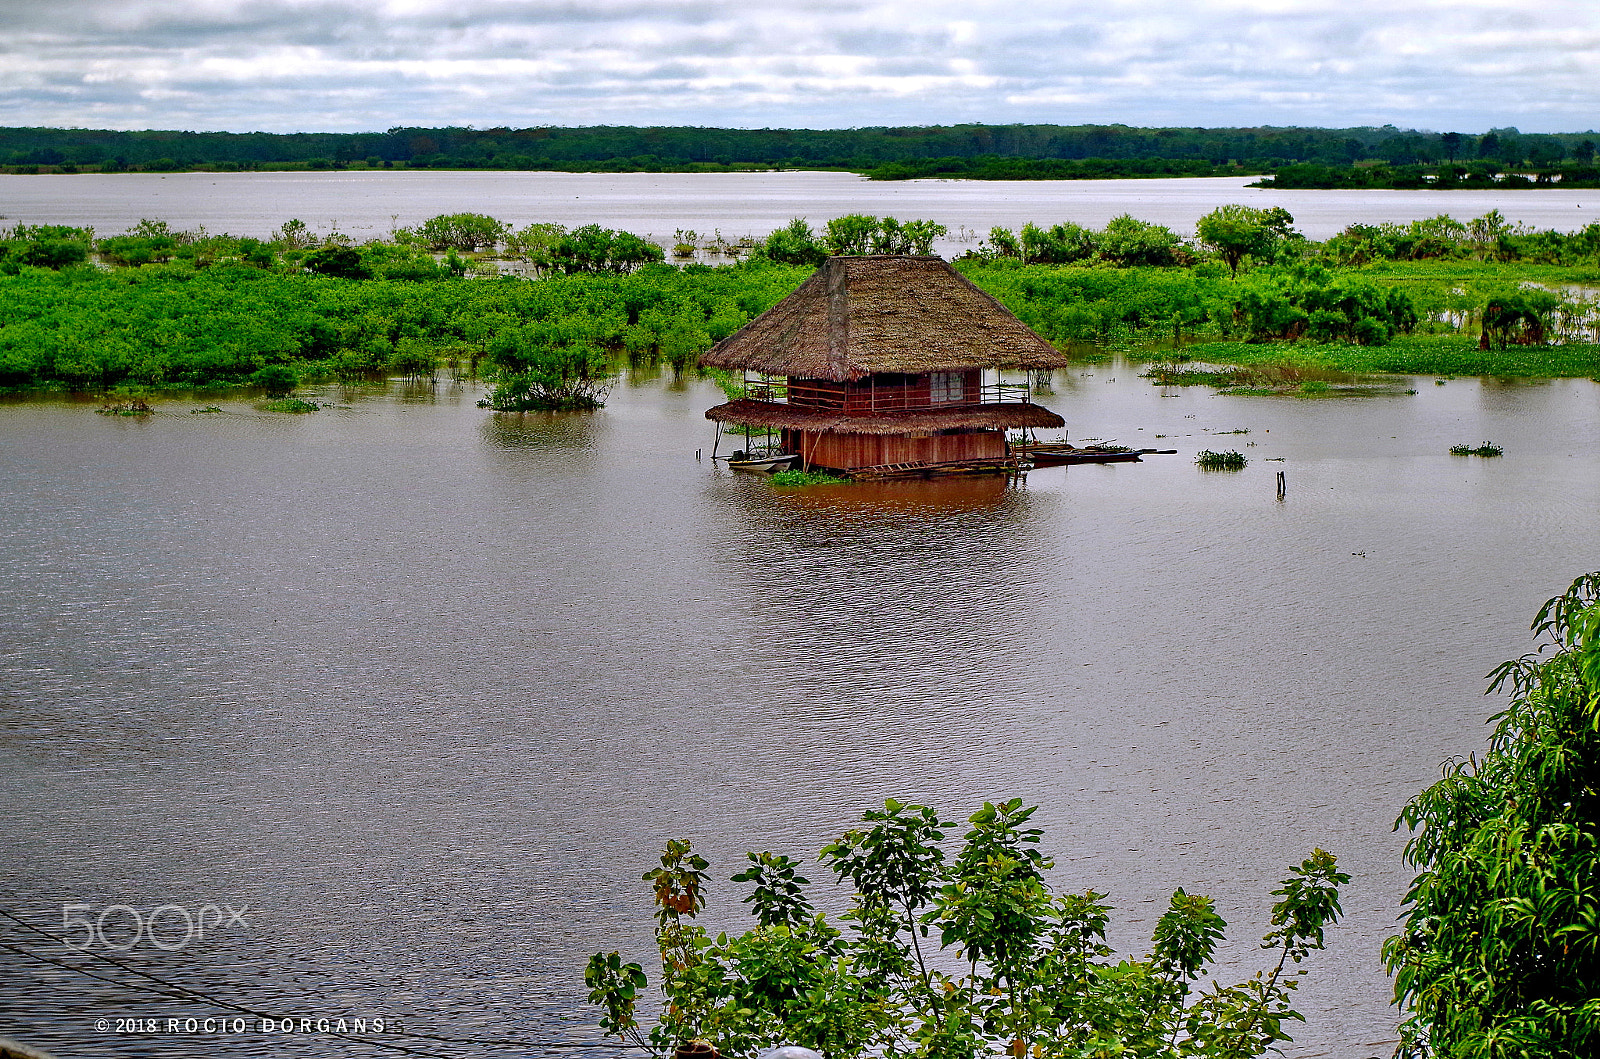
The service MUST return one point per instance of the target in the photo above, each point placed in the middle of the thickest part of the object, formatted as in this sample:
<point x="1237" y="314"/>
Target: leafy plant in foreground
<point x="1500" y="953"/>
<point x="1015" y="969"/>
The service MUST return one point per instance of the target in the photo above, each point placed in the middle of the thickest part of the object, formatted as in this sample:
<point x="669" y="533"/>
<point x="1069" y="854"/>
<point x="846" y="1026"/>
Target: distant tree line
<point x="979" y="151"/>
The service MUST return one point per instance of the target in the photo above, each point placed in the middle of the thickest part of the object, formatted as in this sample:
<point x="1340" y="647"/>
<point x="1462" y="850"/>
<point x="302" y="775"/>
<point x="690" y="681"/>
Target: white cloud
<point x="347" y="65"/>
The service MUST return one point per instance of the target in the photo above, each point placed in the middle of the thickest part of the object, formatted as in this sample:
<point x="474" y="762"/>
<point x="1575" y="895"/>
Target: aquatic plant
<point x="1017" y="970"/>
<point x="1220" y="461"/>
<point x="1488" y="448"/>
<point x="136" y="406"/>
<point x="292" y="405"/>
<point x="795" y="478"/>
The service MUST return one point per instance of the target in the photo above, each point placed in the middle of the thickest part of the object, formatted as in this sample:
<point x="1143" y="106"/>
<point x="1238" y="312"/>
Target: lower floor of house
<point x="848" y="452"/>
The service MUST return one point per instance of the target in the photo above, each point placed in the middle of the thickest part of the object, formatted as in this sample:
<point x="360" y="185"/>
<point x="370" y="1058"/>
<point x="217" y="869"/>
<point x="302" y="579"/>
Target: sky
<point x="364" y="65"/>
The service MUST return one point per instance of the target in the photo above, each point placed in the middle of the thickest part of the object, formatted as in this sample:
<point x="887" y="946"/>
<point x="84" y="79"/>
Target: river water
<point x="367" y="205"/>
<point x="425" y="688"/>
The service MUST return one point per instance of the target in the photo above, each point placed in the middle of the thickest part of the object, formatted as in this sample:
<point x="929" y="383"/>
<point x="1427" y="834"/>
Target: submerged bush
<point x="278" y="380"/>
<point x="291" y="404"/>
<point x="541" y="371"/>
<point x="1220" y="461"/>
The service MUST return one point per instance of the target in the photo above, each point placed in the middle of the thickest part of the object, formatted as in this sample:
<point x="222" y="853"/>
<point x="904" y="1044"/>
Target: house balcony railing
<point x="839" y="397"/>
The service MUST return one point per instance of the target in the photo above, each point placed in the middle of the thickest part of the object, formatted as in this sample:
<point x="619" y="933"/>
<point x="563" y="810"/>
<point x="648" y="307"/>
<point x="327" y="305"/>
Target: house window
<point x="947" y="387"/>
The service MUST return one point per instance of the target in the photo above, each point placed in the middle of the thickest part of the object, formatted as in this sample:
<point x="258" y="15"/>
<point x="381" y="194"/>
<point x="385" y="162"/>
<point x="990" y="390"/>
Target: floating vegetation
<point x="1220" y="461"/>
<point x="1168" y="375"/>
<point x="204" y="411"/>
<point x="796" y="479"/>
<point x="1222" y="433"/>
<point x="1314" y="386"/>
<point x="1488" y="448"/>
<point x="290" y="404"/>
<point x="134" y="406"/>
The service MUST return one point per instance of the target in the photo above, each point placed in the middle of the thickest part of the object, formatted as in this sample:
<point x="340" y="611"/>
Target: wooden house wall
<point x="878" y="393"/>
<point x="847" y="451"/>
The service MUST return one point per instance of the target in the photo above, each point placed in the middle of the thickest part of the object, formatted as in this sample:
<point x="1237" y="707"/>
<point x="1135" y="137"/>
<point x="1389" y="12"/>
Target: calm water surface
<point x="366" y="205"/>
<point x="426" y="687"/>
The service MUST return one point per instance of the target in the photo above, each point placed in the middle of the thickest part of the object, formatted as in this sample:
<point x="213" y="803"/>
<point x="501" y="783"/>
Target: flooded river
<point x="425" y="688"/>
<point x="367" y="205"/>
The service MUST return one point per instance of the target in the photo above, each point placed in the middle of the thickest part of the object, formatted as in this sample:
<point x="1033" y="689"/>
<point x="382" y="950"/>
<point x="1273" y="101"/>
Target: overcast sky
<point x="358" y="65"/>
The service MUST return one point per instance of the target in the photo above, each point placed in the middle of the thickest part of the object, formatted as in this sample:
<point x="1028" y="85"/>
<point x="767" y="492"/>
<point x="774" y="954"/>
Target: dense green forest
<point x="549" y="314"/>
<point x="975" y="151"/>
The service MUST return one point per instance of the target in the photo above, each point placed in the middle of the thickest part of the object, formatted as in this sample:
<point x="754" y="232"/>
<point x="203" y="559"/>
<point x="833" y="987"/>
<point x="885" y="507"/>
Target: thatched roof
<point x="768" y="415"/>
<point x="859" y="315"/>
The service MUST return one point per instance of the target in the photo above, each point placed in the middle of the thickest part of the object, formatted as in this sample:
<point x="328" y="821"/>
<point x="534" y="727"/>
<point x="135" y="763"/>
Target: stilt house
<point x="880" y="361"/>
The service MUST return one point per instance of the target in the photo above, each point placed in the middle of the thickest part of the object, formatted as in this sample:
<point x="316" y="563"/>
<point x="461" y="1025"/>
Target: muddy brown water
<point x="425" y="688"/>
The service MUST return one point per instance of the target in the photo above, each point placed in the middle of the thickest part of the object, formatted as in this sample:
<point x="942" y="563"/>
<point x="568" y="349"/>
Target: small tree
<point x="1520" y="318"/>
<point x="461" y="231"/>
<point x="1500" y="956"/>
<point x="1036" y="976"/>
<point x="1237" y="232"/>
<point x="854" y="233"/>
<point x="541" y="371"/>
<point x="794" y="244"/>
<point x="590" y="249"/>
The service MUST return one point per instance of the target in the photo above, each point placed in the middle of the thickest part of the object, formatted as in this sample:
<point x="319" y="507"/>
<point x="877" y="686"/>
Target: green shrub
<point x="461" y="231"/>
<point x="278" y="380"/>
<point x="1025" y="970"/>
<point x="1499" y="954"/>
<point x="1220" y="461"/>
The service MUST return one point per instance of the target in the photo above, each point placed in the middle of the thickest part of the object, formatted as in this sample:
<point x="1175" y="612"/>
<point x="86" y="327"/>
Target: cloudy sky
<point x="355" y="65"/>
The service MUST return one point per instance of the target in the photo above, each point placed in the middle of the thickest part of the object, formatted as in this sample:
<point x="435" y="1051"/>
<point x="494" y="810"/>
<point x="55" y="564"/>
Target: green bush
<point x="335" y="260"/>
<point x="278" y="380"/>
<point x="461" y="231"/>
<point x="1499" y="956"/>
<point x="1220" y="461"/>
<point x="1032" y="974"/>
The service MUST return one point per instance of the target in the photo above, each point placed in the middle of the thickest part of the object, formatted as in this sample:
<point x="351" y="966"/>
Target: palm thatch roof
<point x="856" y="316"/>
<point x="768" y="415"/>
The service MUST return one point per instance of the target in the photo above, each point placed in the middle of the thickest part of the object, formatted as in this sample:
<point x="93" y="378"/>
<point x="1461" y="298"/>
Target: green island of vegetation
<point x="550" y="316"/>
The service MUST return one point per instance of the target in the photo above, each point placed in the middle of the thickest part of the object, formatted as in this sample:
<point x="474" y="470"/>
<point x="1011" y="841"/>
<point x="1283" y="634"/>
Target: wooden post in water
<point x="1283" y="485"/>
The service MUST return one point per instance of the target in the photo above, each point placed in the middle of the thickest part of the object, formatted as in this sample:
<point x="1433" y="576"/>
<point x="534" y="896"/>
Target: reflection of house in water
<point x="877" y="363"/>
